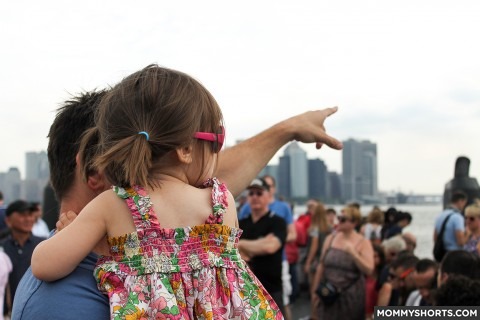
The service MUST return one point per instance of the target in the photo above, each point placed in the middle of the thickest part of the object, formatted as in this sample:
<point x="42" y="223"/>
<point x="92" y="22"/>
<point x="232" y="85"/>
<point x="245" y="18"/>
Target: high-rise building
<point x="283" y="177"/>
<point x="37" y="175"/>
<point x="36" y="165"/>
<point x="334" y="187"/>
<point x="11" y="185"/>
<point x="293" y="172"/>
<point x="359" y="171"/>
<point x="317" y="179"/>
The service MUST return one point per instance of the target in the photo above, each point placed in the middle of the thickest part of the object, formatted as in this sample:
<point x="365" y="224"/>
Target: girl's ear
<point x="96" y="182"/>
<point x="184" y="154"/>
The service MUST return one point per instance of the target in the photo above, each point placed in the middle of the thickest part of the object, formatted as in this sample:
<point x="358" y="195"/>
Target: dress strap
<point x="219" y="201"/>
<point x="138" y="201"/>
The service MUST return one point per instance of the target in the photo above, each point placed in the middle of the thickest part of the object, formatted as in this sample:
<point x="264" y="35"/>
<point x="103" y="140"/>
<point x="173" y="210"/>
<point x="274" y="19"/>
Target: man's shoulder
<point x="274" y="217"/>
<point x="70" y="297"/>
<point x="281" y="207"/>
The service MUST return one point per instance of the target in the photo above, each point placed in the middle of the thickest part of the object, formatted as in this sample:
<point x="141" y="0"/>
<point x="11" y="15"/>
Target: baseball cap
<point x="18" y="206"/>
<point x="259" y="183"/>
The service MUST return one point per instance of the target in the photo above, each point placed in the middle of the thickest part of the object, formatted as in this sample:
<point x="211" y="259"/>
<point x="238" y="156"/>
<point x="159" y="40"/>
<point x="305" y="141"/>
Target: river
<point x="423" y="220"/>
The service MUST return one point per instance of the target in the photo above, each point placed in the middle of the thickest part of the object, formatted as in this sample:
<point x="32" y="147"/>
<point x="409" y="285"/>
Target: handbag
<point x="327" y="292"/>
<point x="439" y="247"/>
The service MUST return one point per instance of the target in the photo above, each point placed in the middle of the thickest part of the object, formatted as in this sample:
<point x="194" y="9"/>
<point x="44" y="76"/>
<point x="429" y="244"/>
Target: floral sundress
<point x="180" y="273"/>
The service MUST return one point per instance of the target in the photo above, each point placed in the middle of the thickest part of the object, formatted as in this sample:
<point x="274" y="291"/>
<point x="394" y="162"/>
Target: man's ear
<point x="184" y="154"/>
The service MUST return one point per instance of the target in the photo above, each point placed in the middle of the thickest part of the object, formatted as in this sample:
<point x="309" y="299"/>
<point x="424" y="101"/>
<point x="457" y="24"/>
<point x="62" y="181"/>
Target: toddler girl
<point x="171" y="234"/>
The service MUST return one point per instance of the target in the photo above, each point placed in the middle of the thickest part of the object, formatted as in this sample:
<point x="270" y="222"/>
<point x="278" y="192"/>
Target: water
<point x="423" y="220"/>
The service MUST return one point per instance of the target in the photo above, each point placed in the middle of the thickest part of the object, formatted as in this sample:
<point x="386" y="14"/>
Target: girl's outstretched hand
<point x="65" y="219"/>
<point x="309" y="127"/>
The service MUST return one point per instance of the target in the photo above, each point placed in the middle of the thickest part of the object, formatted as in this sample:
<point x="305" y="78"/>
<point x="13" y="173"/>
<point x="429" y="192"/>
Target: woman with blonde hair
<point x="347" y="257"/>
<point x="472" y="218"/>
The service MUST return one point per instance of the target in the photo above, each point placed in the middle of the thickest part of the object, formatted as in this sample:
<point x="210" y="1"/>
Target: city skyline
<point x="403" y="74"/>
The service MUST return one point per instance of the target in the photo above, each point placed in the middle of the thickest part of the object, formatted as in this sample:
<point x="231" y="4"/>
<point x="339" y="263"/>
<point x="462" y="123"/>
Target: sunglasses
<point x="343" y="219"/>
<point x="257" y="193"/>
<point x="402" y="276"/>
<point x="217" y="138"/>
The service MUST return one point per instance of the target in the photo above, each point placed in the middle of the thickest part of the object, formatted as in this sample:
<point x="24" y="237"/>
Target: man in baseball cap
<point x="20" y="243"/>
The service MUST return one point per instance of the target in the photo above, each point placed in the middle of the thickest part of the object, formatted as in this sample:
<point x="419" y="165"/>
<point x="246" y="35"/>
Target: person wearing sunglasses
<point x="401" y="276"/>
<point x="472" y="217"/>
<point x="263" y="240"/>
<point x="283" y="210"/>
<point x="346" y="258"/>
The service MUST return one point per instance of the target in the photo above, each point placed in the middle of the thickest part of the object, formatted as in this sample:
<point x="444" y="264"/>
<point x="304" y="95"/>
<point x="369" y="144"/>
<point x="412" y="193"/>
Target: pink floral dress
<point x="182" y="273"/>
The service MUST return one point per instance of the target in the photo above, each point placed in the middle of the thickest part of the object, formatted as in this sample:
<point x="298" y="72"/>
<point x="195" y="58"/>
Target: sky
<point x="404" y="74"/>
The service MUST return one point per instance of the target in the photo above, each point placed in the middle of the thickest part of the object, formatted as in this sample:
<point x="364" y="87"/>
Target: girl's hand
<point x="65" y="219"/>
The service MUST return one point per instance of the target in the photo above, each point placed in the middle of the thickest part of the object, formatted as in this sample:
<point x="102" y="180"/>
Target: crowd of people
<point x="147" y="227"/>
<point x="347" y="264"/>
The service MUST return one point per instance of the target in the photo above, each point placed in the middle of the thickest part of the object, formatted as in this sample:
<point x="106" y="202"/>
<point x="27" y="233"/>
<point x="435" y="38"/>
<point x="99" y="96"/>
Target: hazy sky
<point x="405" y="74"/>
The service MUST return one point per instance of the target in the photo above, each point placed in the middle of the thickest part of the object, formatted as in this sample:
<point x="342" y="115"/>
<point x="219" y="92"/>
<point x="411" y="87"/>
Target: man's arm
<point x="308" y="127"/>
<point x="459" y="226"/>
<point x="259" y="247"/>
<point x="460" y="237"/>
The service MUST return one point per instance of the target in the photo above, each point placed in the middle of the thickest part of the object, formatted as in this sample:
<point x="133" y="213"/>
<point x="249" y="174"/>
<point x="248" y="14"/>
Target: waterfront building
<point x="37" y="175"/>
<point x="359" y="166"/>
<point x="292" y="180"/>
<point x="11" y="185"/>
<point x="334" y="187"/>
<point x="317" y="179"/>
<point x="283" y="179"/>
<point x="36" y="165"/>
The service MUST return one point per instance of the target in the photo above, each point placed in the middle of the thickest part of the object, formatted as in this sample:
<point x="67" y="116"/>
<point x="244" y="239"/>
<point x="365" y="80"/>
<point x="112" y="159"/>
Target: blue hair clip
<point x="145" y="134"/>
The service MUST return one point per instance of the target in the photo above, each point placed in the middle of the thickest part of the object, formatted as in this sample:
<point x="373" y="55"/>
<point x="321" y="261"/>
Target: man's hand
<point x="242" y="162"/>
<point x="309" y="127"/>
<point x="65" y="219"/>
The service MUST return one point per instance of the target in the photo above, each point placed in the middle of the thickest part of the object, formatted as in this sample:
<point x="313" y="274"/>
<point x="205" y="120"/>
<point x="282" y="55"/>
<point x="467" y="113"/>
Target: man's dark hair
<point x="458" y="291"/>
<point x="460" y="262"/>
<point x="458" y="195"/>
<point x="71" y="121"/>
<point x="1" y="196"/>
<point x="423" y="265"/>
<point x="405" y="261"/>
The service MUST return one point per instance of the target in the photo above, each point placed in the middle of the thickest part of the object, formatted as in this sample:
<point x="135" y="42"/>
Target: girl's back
<point x="175" y="269"/>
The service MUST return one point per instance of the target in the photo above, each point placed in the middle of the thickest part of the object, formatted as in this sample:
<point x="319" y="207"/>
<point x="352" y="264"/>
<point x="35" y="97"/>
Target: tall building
<point x="334" y="187"/>
<point x="36" y="165"/>
<point x="283" y="179"/>
<point x="293" y="172"/>
<point x="317" y="179"/>
<point x="37" y="175"/>
<point x="360" y="171"/>
<point x="11" y="185"/>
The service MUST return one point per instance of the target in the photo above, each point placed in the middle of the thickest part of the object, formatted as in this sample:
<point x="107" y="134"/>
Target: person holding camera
<point x="347" y="257"/>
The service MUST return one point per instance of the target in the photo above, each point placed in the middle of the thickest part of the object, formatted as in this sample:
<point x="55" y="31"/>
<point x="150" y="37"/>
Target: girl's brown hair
<point x="170" y="106"/>
<point x="319" y="219"/>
